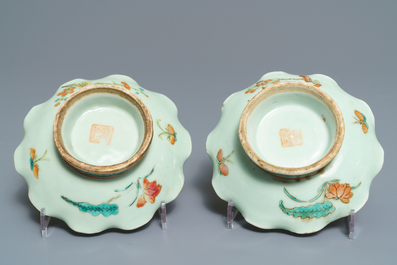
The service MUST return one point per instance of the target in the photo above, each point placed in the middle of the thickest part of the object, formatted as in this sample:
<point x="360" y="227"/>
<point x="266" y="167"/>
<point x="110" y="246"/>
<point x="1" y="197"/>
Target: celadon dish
<point x="294" y="152"/>
<point x="103" y="154"/>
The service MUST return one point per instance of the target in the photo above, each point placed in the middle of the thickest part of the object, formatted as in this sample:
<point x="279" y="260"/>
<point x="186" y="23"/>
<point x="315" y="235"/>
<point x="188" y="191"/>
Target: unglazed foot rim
<point x="108" y="171"/>
<point x="293" y="172"/>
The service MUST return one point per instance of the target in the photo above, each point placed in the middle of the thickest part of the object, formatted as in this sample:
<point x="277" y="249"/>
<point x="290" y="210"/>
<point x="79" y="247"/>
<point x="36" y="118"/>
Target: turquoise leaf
<point x="317" y="210"/>
<point x="104" y="208"/>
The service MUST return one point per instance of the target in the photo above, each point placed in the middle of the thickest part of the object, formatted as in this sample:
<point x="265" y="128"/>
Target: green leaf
<point x="317" y="210"/>
<point x="104" y="208"/>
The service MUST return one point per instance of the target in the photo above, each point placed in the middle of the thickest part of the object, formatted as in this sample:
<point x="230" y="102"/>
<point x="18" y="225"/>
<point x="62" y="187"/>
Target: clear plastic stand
<point x="231" y="214"/>
<point x="351" y="224"/>
<point x="44" y="221"/>
<point x="163" y="216"/>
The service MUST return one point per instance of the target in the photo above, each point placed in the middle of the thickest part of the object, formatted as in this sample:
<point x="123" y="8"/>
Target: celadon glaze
<point x="301" y="205"/>
<point x="118" y="118"/>
<point x="294" y="115"/>
<point x="90" y="205"/>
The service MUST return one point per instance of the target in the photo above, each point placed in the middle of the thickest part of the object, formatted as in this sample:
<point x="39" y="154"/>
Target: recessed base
<point x="103" y="129"/>
<point x="291" y="129"/>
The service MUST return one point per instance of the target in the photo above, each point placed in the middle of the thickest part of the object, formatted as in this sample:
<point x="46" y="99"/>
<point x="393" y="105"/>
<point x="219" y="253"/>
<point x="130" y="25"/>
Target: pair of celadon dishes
<point x="292" y="152"/>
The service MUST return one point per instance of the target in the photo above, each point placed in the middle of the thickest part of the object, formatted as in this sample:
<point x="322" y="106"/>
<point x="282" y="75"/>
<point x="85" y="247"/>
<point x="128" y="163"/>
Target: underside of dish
<point x="274" y="127"/>
<point x="90" y="130"/>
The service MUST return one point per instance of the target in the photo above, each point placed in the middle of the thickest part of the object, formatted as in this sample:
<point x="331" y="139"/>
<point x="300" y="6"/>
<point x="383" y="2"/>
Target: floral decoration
<point x="331" y="190"/>
<point x="150" y="190"/>
<point x="168" y="131"/>
<point x="71" y="88"/>
<point x="223" y="169"/>
<point x="263" y="84"/>
<point x="361" y="119"/>
<point x="34" y="160"/>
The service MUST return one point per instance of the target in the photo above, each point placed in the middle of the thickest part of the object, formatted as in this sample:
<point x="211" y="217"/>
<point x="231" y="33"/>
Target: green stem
<point x="137" y="192"/>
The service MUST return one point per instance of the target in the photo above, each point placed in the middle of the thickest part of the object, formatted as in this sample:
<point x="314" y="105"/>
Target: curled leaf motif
<point x="105" y="208"/>
<point x="311" y="211"/>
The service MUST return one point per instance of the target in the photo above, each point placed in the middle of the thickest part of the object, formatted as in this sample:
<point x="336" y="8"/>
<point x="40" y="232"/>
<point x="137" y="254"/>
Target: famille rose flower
<point x="173" y="134"/>
<point x="169" y="132"/>
<point x="223" y="169"/>
<point x="66" y="91"/>
<point x="150" y="192"/>
<point x="33" y="166"/>
<point x="126" y="86"/>
<point x="263" y="83"/>
<point x="306" y="78"/>
<point x="34" y="161"/>
<point x="83" y="84"/>
<point x="339" y="191"/>
<point x="250" y="91"/>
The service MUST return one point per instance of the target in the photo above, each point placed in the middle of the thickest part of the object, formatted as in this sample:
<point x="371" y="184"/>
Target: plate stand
<point x="232" y="211"/>
<point x="45" y="220"/>
<point x="351" y="224"/>
<point x="231" y="214"/>
<point x="163" y="216"/>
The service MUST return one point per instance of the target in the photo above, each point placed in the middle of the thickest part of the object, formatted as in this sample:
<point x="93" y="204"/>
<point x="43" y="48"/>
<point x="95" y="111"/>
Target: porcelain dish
<point x="294" y="152"/>
<point x="103" y="154"/>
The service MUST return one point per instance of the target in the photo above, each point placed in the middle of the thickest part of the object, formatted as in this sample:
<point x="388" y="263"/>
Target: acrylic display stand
<point x="351" y="224"/>
<point x="163" y="216"/>
<point x="45" y="220"/>
<point x="232" y="212"/>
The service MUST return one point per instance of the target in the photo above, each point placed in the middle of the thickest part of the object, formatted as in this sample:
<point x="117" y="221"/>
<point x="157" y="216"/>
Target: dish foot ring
<point x="44" y="221"/>
<point x="231" y="214"/>
<point x="163" y="216"/>
<point x="351" y="224"/>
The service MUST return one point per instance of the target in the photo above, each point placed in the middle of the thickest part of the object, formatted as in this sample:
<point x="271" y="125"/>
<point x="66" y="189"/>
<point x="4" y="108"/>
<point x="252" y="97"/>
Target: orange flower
<point x="33" y="165"/>
<point x="66" y="91"/>
<point x="276" y="81"/>
<point x="56" y="105"/>
<point x="173" y="134"/>
<point x="342" y="192"/>
<point x="126" y="85"/>
<point x="317" y="85"/>
<point x="307" y="78"/>
<point x="83" y="84"/>
<point x="150" y="192"/>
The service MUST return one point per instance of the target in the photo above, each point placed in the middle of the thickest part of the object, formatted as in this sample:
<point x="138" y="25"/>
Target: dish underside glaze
<point x="291" y="114"/>
<point x="104" y="130"/>
<point x="117" y="124"/>
<point x="293" y="130"/>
